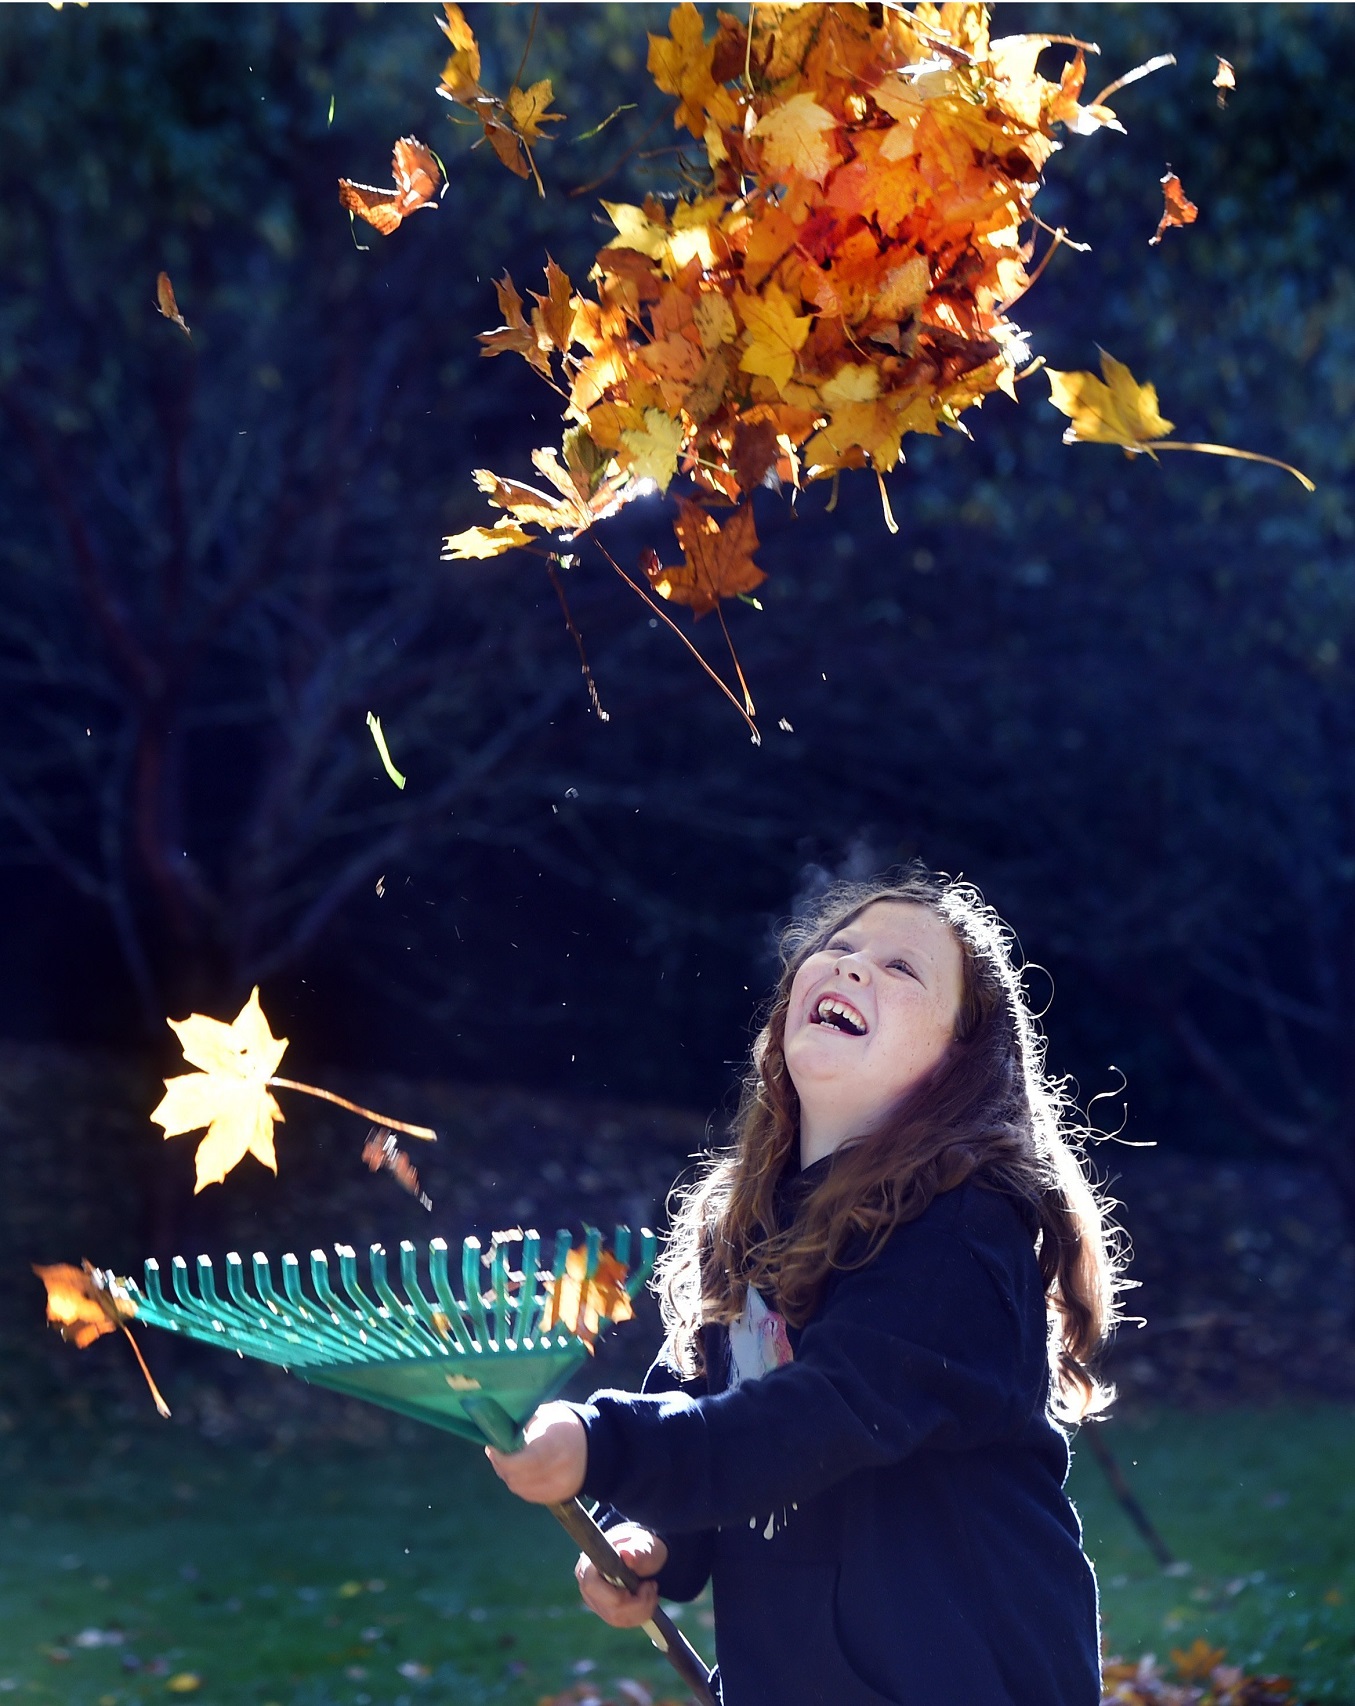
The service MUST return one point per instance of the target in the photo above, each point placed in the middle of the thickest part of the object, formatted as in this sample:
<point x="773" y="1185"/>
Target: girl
<point x="879" y="1305"/>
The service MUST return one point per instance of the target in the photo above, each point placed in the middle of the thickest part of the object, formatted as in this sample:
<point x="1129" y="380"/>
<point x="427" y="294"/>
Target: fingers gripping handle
<point x="661" y="1629"/>
<point x="504" y="1434"/>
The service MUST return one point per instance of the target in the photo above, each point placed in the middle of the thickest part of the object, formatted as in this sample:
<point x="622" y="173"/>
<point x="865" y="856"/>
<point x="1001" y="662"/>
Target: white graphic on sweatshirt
<point x="758" y="1343"/>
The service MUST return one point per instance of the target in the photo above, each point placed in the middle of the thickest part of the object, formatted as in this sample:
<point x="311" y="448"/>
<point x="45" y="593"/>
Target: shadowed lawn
<point x="335" y="1576"/>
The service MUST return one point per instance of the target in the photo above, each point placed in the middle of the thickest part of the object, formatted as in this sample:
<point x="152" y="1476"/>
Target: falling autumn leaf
<point x="583" y="1308"/>
<point x="383" y="751"/>
<point x="84" y="1303"/>
<point x="717" y="562"/>
<point x="1178" y="208"/>
<point x="461" y="73"/>
<point x="1113" y="410"/>
<point x="418" y="180"/>
<point x="79" y="1307"/>
<point x="1225" y="79"/>
<point x="229" y="1095"/>
<point x="529" y="110"/>
<point x="511" y="126"/>
<point x="1116" y="409"/>
<point x="164" y="301"/>
<point x="381" y="1153"/>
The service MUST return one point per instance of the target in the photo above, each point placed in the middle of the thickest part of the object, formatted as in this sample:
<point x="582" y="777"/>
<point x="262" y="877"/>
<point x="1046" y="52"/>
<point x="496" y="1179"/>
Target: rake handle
<point x="661" y="1629"/>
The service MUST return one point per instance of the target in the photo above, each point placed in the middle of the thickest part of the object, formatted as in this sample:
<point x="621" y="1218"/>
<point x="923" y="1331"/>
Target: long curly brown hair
<point x="988" y="1112"/>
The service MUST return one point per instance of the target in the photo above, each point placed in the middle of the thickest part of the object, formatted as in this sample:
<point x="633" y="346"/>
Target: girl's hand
<point x="551" y="1464"/>
<point x="646" y="1554"/>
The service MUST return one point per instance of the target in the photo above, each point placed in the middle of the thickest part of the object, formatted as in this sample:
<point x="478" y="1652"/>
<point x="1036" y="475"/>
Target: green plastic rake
<point x="476" y="1365"/>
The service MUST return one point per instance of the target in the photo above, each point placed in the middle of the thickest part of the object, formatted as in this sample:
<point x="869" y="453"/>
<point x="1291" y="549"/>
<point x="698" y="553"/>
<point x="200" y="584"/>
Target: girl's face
<point x="871" y="1013"/>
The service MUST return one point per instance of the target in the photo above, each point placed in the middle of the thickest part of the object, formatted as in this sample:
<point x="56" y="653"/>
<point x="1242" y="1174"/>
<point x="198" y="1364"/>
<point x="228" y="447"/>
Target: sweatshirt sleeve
<point x="686" y="1570"/>
<point x="934" y="1344"/>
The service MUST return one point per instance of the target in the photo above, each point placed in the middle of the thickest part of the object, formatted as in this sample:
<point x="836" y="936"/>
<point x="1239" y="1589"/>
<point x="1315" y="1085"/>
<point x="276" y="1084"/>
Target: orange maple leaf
<point x="1178" y="208"/>
<point x="583" y="1308"/>
<point x="418" y="181"/>
<point x="717" y="561"/>
<point x="84" y="1303"/>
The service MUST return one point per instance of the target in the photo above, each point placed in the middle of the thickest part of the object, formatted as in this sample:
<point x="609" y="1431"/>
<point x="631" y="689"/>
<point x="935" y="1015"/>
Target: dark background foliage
<point x="1115" y="693"/>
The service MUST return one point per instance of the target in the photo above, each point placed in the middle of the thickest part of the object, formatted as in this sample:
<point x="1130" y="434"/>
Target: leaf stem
<point x="160" y="1404"/>
<point x="663" y="616"/>
<point x="1155" y="445"/>
<point x="423" y="1131"/>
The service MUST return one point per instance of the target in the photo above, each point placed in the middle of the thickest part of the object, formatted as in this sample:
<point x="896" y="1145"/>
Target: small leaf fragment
<point x="1178" y="208"/>
<point x="164" y="301"/>
<point x="374" y="724"/>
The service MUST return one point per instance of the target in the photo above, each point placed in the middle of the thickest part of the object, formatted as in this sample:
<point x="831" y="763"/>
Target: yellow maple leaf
<point x="1112" y="410"/>
<point x="528" y="109"/>
<point x="796" y="138"/>
<point x="776" y="333"/>
<point x="505" y="535"/>
<point x="1120" y="411"/>
<point x="461" y="73"/>
<point x="680" y="64"/>
<point x="229" y="1094"/>
<point x="636" y="230"/>
<point x="653" y="450"/>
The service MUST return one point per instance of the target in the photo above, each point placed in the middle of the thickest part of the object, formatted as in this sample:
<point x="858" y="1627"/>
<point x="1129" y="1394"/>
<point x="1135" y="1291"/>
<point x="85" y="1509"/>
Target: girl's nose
<point x="854" y="968"/>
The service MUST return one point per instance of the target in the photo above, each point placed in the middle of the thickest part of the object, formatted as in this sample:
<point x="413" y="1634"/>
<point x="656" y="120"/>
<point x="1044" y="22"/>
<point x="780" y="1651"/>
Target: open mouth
<point x="840" y="1015"/>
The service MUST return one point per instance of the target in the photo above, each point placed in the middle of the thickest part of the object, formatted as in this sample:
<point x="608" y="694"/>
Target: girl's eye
<point x="902" y="965"/>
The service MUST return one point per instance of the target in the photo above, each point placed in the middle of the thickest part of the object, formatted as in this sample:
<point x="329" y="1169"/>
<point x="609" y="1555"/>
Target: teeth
<point x="831" y="1008"/>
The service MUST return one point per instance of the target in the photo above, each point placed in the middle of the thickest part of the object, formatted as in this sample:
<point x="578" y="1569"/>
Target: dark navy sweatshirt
<point x="882" y="1518"/>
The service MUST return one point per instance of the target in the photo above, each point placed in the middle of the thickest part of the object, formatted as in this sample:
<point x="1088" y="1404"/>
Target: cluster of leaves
<point x="838" y="276"/>
<point x="511" y="125"/>
<point x="1201" y="1678"/>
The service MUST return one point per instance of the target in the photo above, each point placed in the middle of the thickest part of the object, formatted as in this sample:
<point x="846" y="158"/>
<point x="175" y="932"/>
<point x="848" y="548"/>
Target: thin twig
<point x="1148" y="66"/>
<point x="577" y="637"/>
<point x="423" y="1131"/>
<point x="522" y="63"/>
<point x="749" y="707"/>
<point x="663" y="616"/>
<point x="617" y="164"/>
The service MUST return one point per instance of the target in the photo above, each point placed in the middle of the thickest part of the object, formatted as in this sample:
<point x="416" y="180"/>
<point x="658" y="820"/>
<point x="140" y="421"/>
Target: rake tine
<point x="525" y="1318"/>
<point x="348" y="1274"/>
<point x="470" y="1284"/>
<point x="557" y="1280"/>
<point x="263" y="1284"/>
<point x="412" y="1331"/>
<point x="621" y="1245"/>
<point x="153" y="1292"/>
<point x="349" y="1330"/>
<point x="235" y="1282"/>
<point x="409" y="1278"/>
<point x="216" y="1304"/>
<point x="649" y="1246"/>
<point x="307" y="1313"/>
<point x="437" y="1268"/>
<point x="499" y="1280"/>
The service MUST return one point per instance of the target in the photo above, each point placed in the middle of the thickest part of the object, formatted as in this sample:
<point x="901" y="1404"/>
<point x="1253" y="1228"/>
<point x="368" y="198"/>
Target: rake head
<point x="477" y="1365"/>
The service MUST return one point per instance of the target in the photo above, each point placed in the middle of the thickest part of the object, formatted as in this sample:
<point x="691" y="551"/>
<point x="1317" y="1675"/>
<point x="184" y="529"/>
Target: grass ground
<point x="143" y="1567"/>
